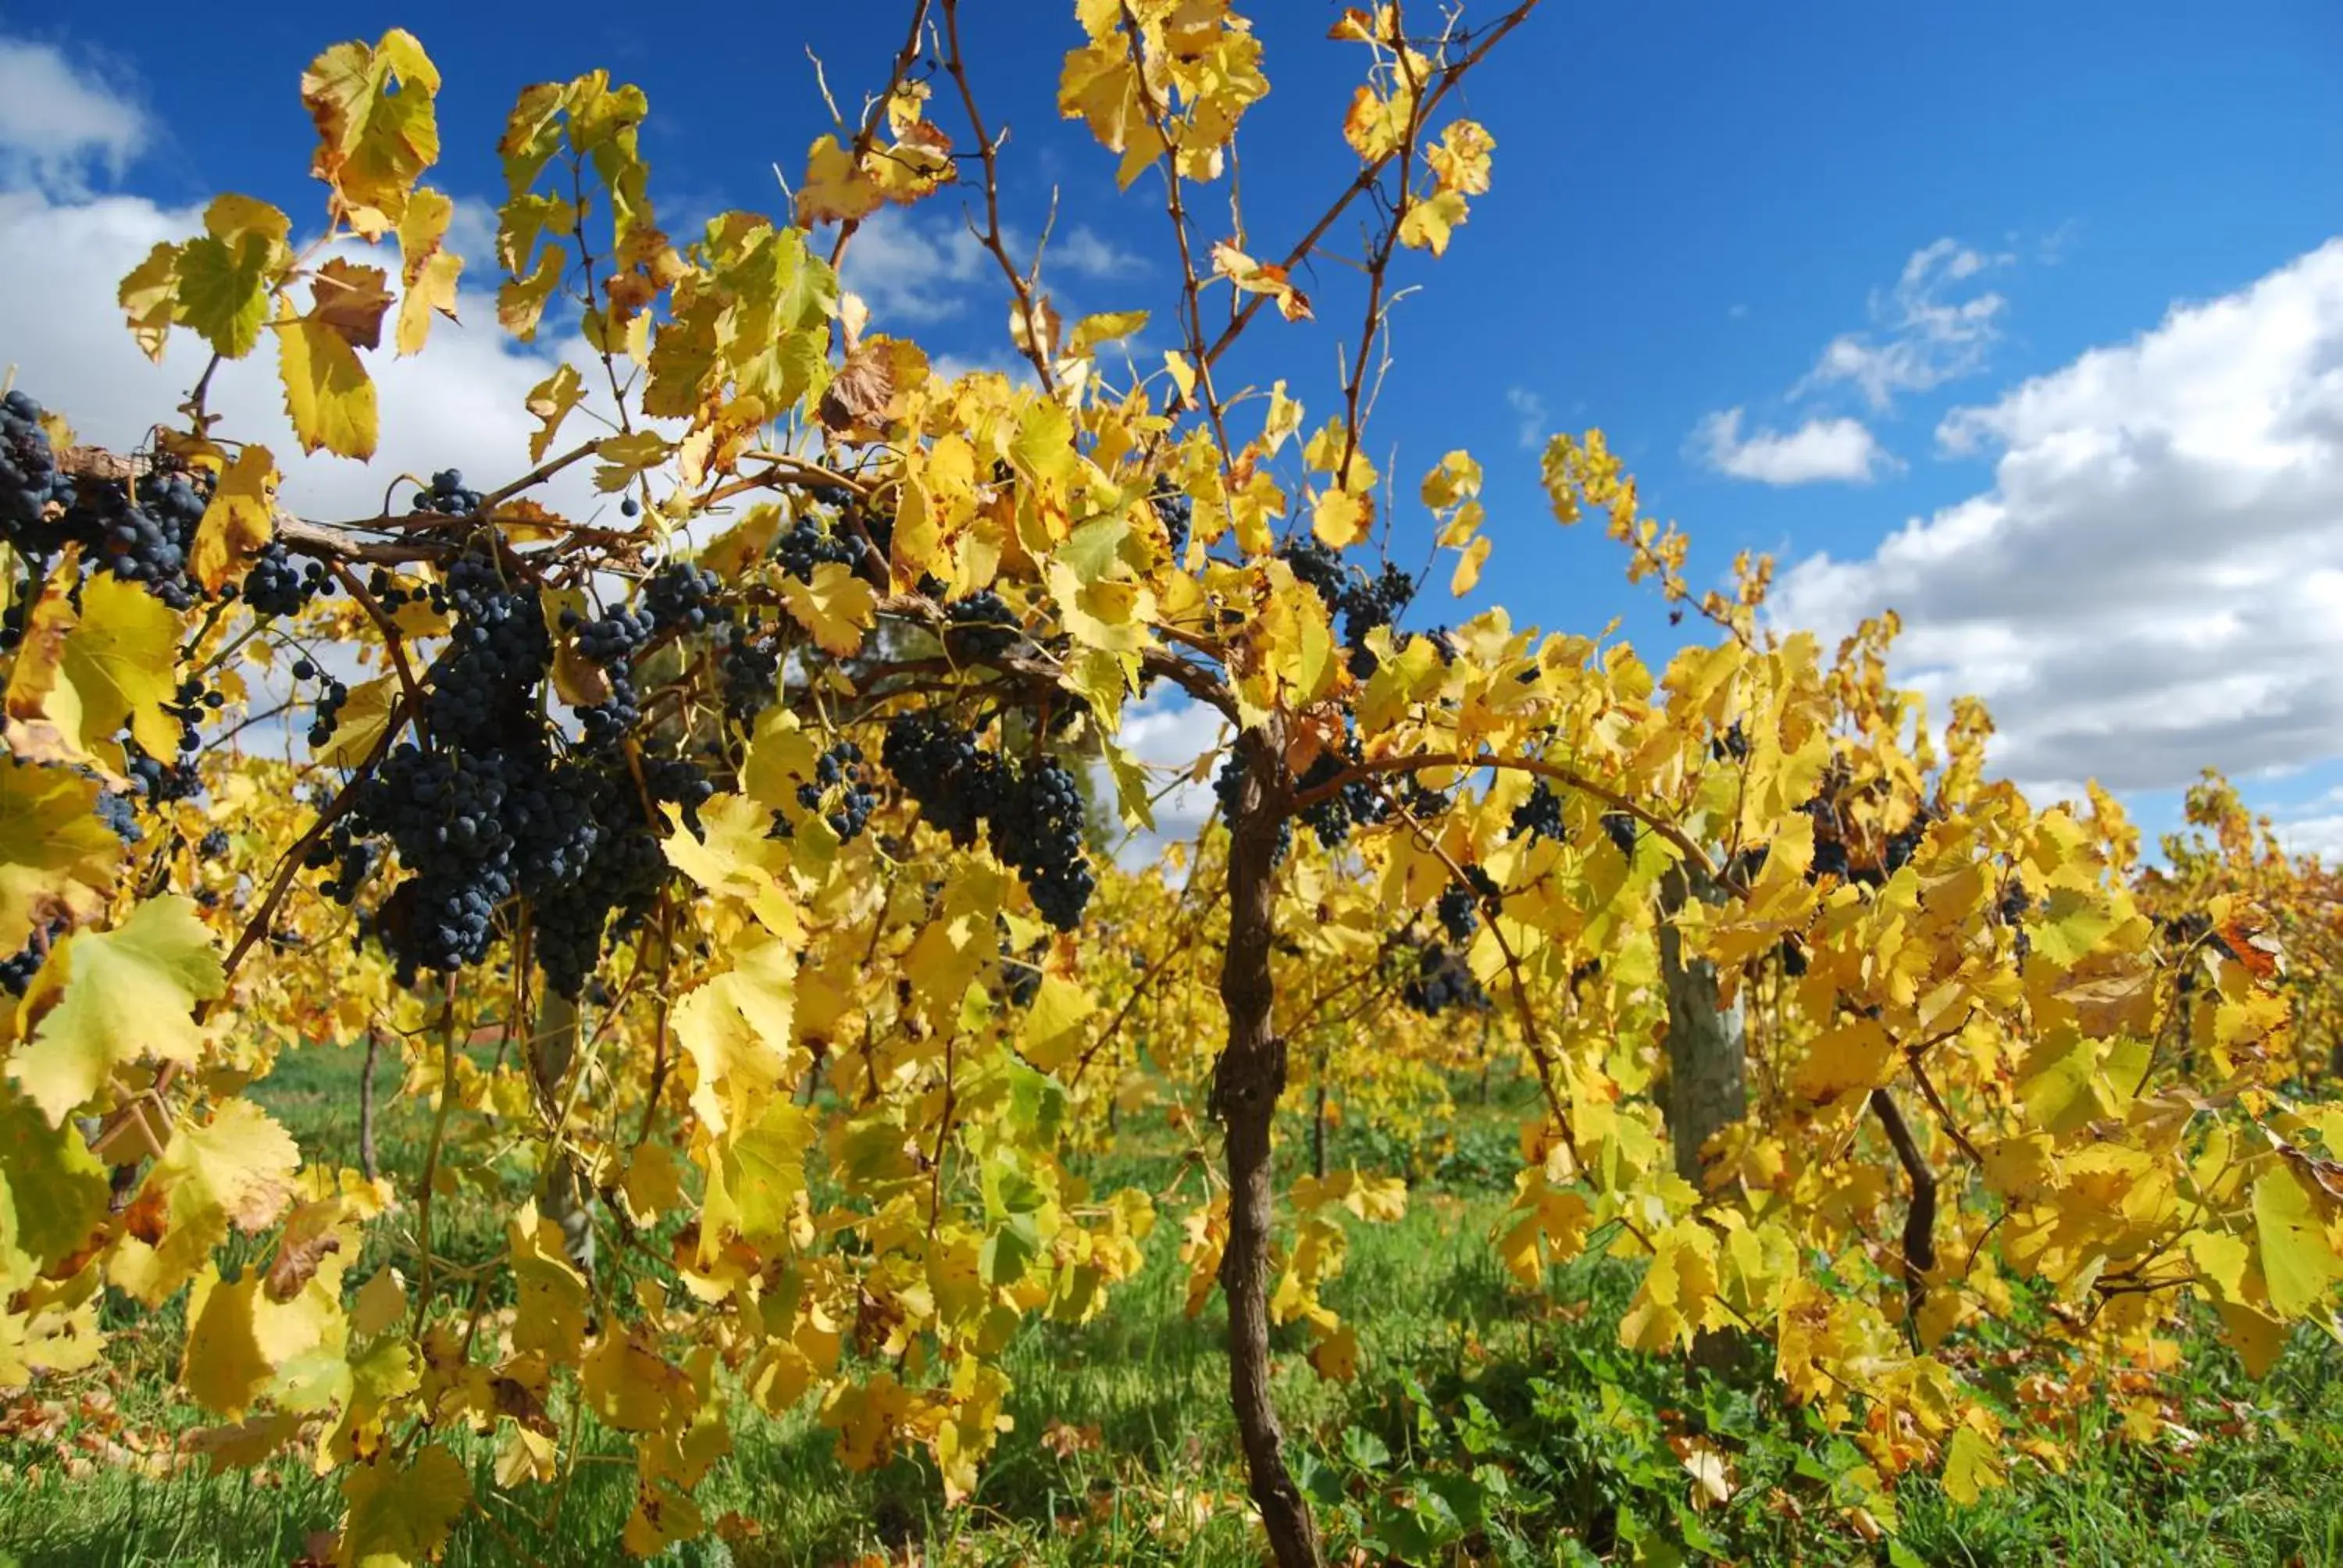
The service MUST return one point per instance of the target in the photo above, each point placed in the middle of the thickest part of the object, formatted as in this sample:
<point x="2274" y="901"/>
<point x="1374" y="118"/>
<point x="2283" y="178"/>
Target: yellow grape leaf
<point x="128" y="993"/>
<point x="360" y="722"/>
<point x="1377" y="123"/>
<point x="235" y="1171"/>
<point x="382" y="1301"/>
<point x="351" y="299"/>
<point x="1972" y="1468"/>
<point x="834" y="189"/>
<point x="1335" y="1356"/>
<point x="1052" y="1029"/>
<point x="149" y="296"/>
<point x="755" y="1176"/>
<point x="2299" y="1262"/>
<point x="627" y="458"/>
<point x="2220" y="1259"/>
<point x="377" y="129"/>
<point x="55" y="1184"/>
<point x="1251" y="277"/>
<point x="2256" y="1337"/>
<point x="1457" y="478"/>
<point x="240" y="519"/>
<point x="122" y="662"/>
<point x="1460" y="160"/>
<point x="550" y="1293"/>
<point x="328" y="396"/>
<point x="521" y="301"/>
<point x="836" y="607"/>
<point x="736" y="1030"/>
<point x="1431" y="221"/>
<point x="628" y="1386"/>
<point x="1848" y="1059"/>
<point x="550" y="403"/>
<point x="1093" y="330"/>
<point x="1341" y="520"/>
<point x="400" y="1514"/>
<point x="868" y="1417"/>
<point x="56" y="855"/>
<point x="427" y="269"/>
<point x="1468" y="567"/>
<point x="240" y="1344"/>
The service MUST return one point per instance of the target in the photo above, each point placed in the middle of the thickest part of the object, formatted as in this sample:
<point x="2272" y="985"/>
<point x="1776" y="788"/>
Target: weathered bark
<point x="1246" y="1084"/>
<point x="1708" y="1042"/>
<point x="1920" y="1219"/>
<point x="551" y="1049"/>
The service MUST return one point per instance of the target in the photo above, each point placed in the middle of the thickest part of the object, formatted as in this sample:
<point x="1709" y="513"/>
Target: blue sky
<point x="1693" y="204"/>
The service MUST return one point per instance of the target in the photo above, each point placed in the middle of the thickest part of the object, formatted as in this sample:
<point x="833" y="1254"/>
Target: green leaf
<point x="55" y="1186"/>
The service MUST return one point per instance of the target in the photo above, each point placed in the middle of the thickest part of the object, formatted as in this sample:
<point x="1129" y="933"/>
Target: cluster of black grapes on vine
<point x="1032" y="811"/>
<point x="1363" y="603"/>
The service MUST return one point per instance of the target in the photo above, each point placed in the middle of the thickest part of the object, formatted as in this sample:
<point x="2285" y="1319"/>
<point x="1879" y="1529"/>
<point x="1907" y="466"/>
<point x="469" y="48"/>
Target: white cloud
<point x="59" y="122"/>
<point x="1534" y="428"/>
<point x="914" y="268"/>
<point x="2153" y="582"/>
<point x="1167" y="732"/>
<point x="1820" y="451"/>
<point x="1086" y="253"/>
<point x="1921" y="338"/>
<point x="458" y="404"/>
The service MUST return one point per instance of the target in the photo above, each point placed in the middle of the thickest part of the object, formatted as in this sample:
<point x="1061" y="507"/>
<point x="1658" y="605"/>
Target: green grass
<point x="1487" y="1426"/>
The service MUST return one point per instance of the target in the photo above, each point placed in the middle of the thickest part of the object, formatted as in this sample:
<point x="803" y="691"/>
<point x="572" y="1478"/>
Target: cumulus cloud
<point x="1167" y="733"/>
<point x="458" y="404"/>
<point x="1840" y="451"/>
<point x="2153" y="584"/>
<point x="1086" y="253"/>
<point x="1921" y="336"/>
<point x="60" y="122"/>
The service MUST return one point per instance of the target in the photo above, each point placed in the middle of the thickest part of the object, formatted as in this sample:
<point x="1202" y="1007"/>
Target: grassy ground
<point x="1487" y="1426"/>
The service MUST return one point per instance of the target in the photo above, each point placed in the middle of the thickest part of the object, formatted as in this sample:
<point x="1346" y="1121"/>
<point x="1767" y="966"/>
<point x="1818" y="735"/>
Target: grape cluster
<point x="1039" y="833"/>
<point x="956" y="783"/>
<point x="29" y="479"/>
<point x="750" y="669"/>
<point x="681" y="597"/>
<point x="610" y="640"/>
<point x="1357" y="801"/>
<point x="274" y="585"/>
<point x="448" y="497"/>
<point x="1733" y="746"/>
<point x="213" y="845"/>
<point x="1441" y="980"/>
<point x="1793" y="958"/>
<point x="482" y="685"/>
<point x="164" y="783"/>
<point x="1020" y="977"/>
<point x="1228" y="788"/>
<point x="805" y="544"/>
<point x="17" y="969"/>
<point x="980" y="627"/>
<point x="332" y="697"/>
<point x="142" y="532"/>
<point x="1459" y="907"/>
<point x="1622" y="828"/>
<point x="1363" y="603"/>
<point x="840" y="768"/>
<point x="1175" y="510"/>
<point x="118" y="811"/>
<point x="1034" y="813"/>
<point x="1540" y="815"/>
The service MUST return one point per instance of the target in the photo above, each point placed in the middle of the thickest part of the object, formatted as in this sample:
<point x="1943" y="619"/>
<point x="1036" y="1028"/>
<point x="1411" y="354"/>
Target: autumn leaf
<point x="239" y="520"/>
<point x="128" y="993"/>
<point x="327" y="394"/>
<point x="400" y="1513"/>
<point x="836" y="607"/>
